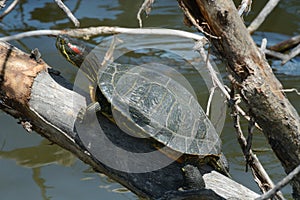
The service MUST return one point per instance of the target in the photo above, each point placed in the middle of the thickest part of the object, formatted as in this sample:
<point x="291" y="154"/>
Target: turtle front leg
<point x="193" y="178"/>
<point x="92" y="108"/>
<point x="194" y="186"/>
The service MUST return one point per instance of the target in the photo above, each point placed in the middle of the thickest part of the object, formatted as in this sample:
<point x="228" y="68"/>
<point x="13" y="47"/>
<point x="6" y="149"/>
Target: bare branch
<point x="284" y="57"/>
<point x="292" y="90"/>
<point x="30" y="34"/>
<point x="2" y="3"/>
<point x="198" y="47"/>
<point x="68" y="12"/>
<point x="244" y="7"/>
<point x="275" y="54"/>
<point x="295" y="51"/>
<point x="211" y="94"/>
<point x="280" y="184"/>
<point x="146" y="6"/>
<point x="259" y="173"/>
<point x="263" y="45"/>
<point x="9" y="9"/>
<point x="93" y="31"/>
<point x="100" y="30"/>
<point x="262" y="15"/>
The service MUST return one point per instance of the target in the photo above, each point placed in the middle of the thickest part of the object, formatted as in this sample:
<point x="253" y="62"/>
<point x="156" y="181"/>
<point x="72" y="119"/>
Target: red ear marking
<point x="75" y="48"/>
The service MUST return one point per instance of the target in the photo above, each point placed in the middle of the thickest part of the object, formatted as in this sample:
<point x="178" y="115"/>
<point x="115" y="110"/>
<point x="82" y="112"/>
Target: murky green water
<point x="33" y="168"/>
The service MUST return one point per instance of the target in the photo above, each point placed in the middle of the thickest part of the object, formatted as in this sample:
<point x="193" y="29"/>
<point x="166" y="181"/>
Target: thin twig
<point x="240" y="110"/>
<point x="291" y="90"/>
<point x="2" y="3"/>
<point x="275" y="54"/>
<point x="211" y="94"/>
<point x="262" y="15"/>
<point x="198" y="47"/>
<point x="93" y="31"/>
<point x="263" y="48"/>
<point x="146" y="6"/>
<point x="245" y="7"/>
<point x="259" y="173"/>
<point x="280" y="184"/>
<point x="263" y="45"/>
<point x="68" y="12"/>
<point x="9" y="9"/>
<point x="257" y="169"/>
<point x="249" y="142"/>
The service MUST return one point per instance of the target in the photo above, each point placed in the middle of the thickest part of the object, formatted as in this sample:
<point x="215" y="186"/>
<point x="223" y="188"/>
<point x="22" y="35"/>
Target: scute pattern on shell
<point x="160" y="107"/>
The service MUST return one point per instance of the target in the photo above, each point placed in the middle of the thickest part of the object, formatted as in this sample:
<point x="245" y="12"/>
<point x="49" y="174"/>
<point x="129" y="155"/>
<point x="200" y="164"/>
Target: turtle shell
<point x="147" y="103"/>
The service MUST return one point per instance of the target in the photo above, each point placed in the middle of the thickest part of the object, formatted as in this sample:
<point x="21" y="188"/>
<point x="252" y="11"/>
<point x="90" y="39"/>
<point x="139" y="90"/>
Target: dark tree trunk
<point x="254" y="79"/>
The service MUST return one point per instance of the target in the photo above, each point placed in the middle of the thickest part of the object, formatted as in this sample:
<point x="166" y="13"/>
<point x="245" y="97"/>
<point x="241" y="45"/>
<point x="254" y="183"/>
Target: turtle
<point x="150" y="104"/>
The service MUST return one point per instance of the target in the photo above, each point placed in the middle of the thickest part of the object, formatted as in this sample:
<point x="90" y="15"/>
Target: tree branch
<point x="93" y="31"/>
<point x="262" y="15"/>
<point x="68" y="12"/>
<point x="9" y="9"/>
<point x="280" y="184"/>
<point x="146" y="6"/>
<point x="259" y="88"/>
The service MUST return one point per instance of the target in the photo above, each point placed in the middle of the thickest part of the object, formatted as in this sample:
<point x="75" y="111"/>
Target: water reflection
<point x="48" y="13"/>
<point x="40" y="182"/>
<point x="36" y="157"/>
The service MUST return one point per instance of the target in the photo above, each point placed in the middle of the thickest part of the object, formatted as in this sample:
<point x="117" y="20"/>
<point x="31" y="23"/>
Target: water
<point x="33" y="168"/>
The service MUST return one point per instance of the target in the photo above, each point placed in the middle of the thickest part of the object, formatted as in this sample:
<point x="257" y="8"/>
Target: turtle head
<point x="73" y="50"/>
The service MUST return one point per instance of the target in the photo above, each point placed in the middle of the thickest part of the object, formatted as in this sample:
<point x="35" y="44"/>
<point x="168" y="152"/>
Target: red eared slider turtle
<point x="151" y="104"/>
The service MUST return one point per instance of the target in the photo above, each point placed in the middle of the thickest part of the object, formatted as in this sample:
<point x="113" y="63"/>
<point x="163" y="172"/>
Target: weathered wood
<point x="228" y="189"/>
<point x="51" y="109"/>
<point x="256" y="83"/>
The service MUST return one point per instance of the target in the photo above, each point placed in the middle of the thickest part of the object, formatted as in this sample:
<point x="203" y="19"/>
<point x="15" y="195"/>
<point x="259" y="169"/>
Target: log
<point x="253" y="79"/>
<point x="46" y="102"/>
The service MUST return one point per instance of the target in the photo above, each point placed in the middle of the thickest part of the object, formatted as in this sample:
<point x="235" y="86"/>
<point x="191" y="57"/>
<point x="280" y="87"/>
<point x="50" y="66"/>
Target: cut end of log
<point x="18" y="71"/>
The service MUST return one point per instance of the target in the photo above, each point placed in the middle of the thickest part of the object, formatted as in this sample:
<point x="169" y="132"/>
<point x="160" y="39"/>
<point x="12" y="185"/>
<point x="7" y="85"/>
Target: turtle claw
<point x="87" y="113"/>
<point x="81" y="115"/>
